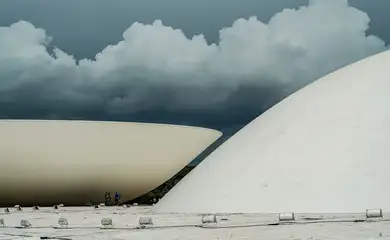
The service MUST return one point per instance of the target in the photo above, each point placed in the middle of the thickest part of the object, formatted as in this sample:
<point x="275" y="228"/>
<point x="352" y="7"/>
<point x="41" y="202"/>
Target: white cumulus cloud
<point x="158" y="66"/>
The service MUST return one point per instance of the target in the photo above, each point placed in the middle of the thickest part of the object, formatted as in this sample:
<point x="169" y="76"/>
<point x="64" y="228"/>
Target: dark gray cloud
<point x="156" y="73"/>
<point x="83" y="28"/>
<point x="379" y="14"/>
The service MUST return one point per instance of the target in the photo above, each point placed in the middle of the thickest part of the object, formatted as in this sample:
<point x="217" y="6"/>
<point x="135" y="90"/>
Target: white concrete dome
<point x="325" y="148"/>
<point x="73" y="162"/>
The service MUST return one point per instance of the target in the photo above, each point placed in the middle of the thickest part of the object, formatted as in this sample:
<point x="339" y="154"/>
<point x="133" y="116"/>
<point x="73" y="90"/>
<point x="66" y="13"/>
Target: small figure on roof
<point x="117" y="198"/>
<point x="106" y="198"/>
<point x="109" y="198"/>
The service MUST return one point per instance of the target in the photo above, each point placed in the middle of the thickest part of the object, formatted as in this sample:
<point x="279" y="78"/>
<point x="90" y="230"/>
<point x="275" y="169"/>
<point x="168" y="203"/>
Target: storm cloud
<point x="156" y="73"/>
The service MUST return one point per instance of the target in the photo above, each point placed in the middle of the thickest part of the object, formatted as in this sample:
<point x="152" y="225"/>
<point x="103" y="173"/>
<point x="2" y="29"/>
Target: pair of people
<point x="107" y="198"/>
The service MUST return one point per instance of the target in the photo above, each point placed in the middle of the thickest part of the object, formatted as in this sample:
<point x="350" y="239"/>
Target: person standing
<point x="106" y="198"/>
<point x="117" y="197"/>
<point x="109" y="199"/>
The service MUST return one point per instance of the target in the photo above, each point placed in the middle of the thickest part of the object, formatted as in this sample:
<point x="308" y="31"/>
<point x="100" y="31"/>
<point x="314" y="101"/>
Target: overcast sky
<point x="89" y="59"/>
<point x="83" y="28"/>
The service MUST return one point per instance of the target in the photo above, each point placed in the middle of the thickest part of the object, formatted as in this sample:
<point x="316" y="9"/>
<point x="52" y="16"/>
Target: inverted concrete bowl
<point x="74" y="162"/>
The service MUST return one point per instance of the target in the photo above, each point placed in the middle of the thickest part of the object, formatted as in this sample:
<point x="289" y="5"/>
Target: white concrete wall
<point x="326" y="148"/>
<point x="74" y="161"/>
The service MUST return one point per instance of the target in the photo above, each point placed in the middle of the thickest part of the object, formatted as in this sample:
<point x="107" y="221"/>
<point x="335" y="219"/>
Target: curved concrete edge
<point x="325" y="149"/>
<point x="92" y="157"/>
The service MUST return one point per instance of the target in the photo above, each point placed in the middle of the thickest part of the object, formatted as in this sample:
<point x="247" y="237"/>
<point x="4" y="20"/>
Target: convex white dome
<point x="325" y="148"/>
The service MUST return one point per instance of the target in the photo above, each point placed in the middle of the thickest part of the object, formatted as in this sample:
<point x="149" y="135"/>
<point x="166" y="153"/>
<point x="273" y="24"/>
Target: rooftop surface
<point x="85" y="223"/>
